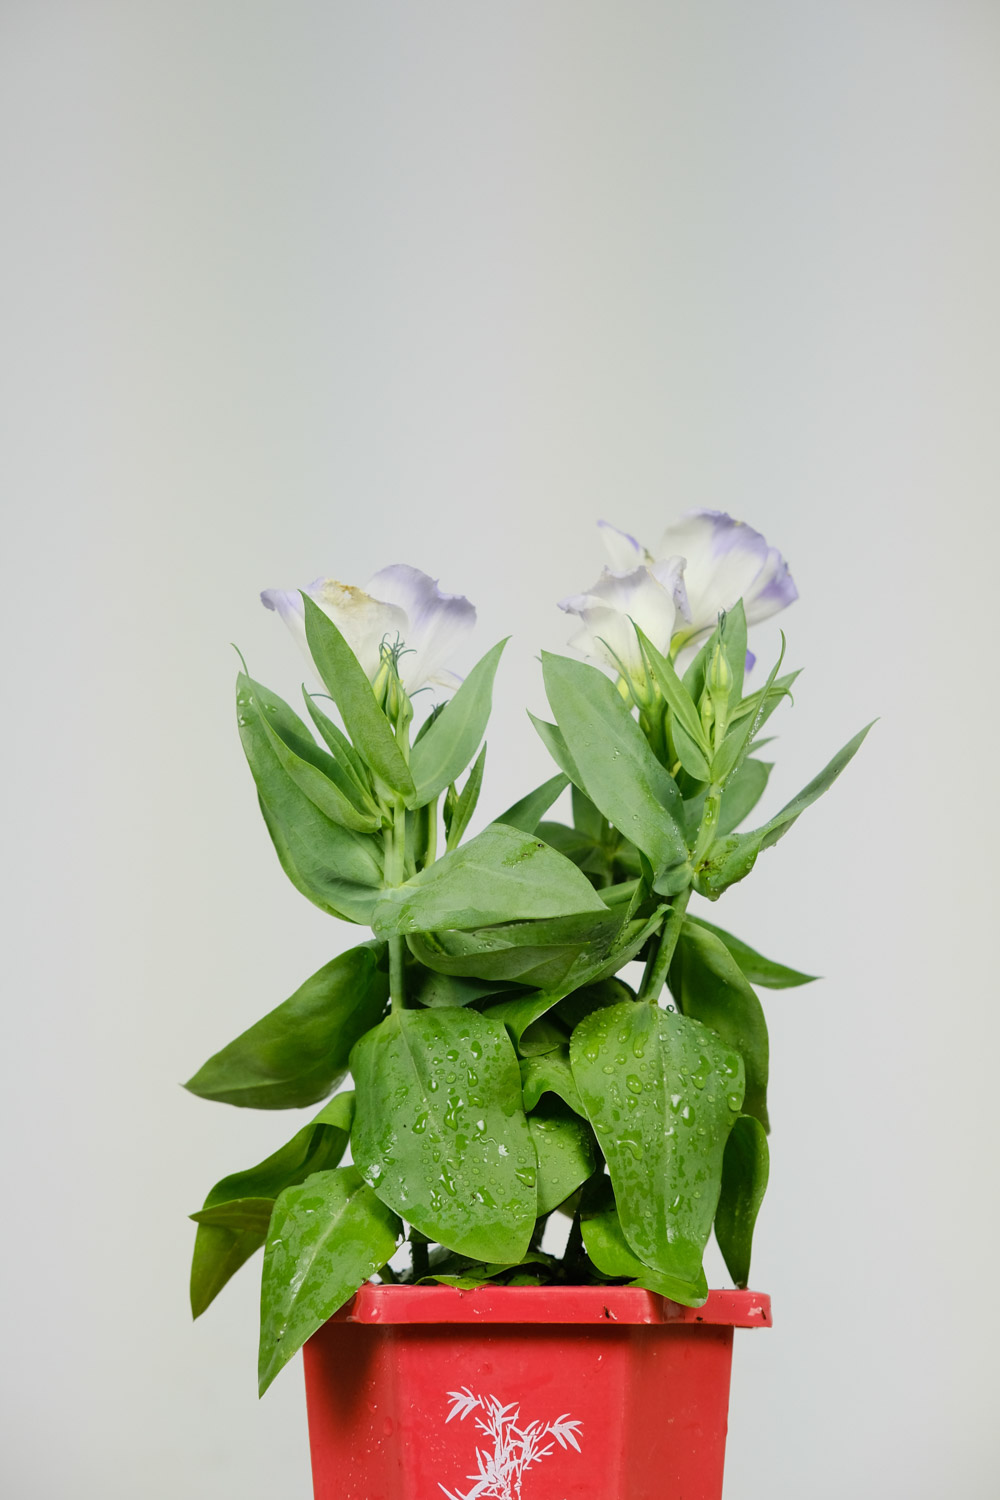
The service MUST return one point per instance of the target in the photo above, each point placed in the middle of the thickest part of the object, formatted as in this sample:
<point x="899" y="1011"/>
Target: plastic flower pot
<point x="523" y="1393"/>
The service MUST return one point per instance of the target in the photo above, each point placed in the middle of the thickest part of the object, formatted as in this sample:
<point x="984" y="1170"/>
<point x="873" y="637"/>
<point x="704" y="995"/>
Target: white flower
<point x="723" y="560"/>
<point x="652" y="597"/>
<point x="400" y="606"/>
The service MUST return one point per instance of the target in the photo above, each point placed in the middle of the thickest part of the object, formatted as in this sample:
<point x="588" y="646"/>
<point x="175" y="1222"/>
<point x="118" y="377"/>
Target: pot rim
<point x="550" y="1304"/>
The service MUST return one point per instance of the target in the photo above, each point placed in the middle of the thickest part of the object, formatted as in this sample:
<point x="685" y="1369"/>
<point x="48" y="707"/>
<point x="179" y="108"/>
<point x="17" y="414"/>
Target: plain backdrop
<point x="309" y="288"/>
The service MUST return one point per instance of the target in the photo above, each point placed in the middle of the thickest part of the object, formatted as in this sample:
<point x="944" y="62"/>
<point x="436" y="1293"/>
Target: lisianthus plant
<point x="503" y="1070"/>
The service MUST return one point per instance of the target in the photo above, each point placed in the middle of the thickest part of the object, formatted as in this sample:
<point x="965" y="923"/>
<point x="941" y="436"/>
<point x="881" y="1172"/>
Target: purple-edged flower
<point x="726" y="560"/>
<point x="722" y="560"/>
<point x="652" y="597"/>
<point x="400" y="609"/>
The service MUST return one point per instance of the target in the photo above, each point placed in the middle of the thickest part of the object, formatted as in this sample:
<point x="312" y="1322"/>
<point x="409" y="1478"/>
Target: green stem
<point x="394" y="837"/>
<point x="659" y="961"/>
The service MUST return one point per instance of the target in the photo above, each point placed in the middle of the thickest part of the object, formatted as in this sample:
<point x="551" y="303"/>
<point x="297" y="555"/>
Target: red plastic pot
<point x="523" y="1393"/>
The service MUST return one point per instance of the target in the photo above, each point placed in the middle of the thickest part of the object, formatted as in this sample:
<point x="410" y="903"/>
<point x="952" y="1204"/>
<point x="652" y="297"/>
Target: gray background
<point x="293" y="289"/>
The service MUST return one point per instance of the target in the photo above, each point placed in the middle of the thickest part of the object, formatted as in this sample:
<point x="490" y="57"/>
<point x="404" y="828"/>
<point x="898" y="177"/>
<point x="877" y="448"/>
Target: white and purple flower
<point x="650" y="596"/>
<point x="704" y="563"/>
<point x="401" y="609"/>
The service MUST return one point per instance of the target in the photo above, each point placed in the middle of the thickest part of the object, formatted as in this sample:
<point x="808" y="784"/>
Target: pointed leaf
<point x="327" y="1237"/>
<point x="615" y="765"/>
<point x="445" y="750"/>
<point x="709" y="986"/>
<point x="526" y="813"/>
<point x="662" y="1092"/>
<point x="679" y="700"/>
<point x="744" y="1182"/>
<point x="297" y="1054"/>
<point x="342" y="751"/>
<point x="733" y="858"/>
<point x="465" y="804"/>
<point x="754" y="966"/>
<point x="499" y="876"/>
<point x="314" y="861"/>
<point x="350" y="689"/>
<point x="314" y="771"/>
<point x="612" y="1254"/>
<point x="440" y="1133"/>
<point x="220" y="1249"/>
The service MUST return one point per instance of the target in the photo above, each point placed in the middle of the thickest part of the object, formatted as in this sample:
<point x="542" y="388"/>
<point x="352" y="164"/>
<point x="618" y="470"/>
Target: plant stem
<point x="659" y="962"/>
<point x="394" y="837"/>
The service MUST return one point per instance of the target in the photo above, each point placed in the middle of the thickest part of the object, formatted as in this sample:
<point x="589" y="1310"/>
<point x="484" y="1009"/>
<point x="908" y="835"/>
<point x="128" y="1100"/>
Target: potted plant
<point x="506" y="1078"/>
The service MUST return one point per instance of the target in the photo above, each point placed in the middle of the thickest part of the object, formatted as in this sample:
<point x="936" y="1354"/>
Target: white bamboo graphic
<point x="500" y="1473"/>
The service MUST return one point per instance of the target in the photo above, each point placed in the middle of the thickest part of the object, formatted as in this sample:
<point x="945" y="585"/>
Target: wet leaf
<point x="440" y="1133"/>
<point x="564" y="1147"/>
<point x="662" y="1092"/>
<point x="612" y="1254"/>
<point x="327" y="1236"/>
<point x="501" y="875"/>
<point x="709" y="986"/>
<point x="228" y="1239"/>
<point x="550" y="1073"/>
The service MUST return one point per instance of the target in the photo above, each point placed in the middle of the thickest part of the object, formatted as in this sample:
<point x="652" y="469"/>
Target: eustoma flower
<point x="400" y="610"/>
<point x="706" y="562"/>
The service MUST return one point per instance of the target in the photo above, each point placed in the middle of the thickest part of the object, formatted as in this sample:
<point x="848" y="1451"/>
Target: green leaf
<point x="538" y="953"/>
<point x="662" y="1092"/>
<point x="327" y="1237"/>
<point x="342" y="751"/>
<point x="733" y="858"/>
<point x="709" y="986"/>
<point x="526" y="813"/>
<point x="550" y="1073"/>
<point x="458" y="813"/>
<point x="499" y="876"/>
<point x="745" y="1167"/>
<point x="315" y="772"/>
<point x="440" y="1133"/>
<point x="319" y="850"/>
<point x="430" y="989"/>
<point x="300" y="852"/>
<point x="616" y="767"/>
<point x="690" y="756"/>
<point x="737" y="740"/>
<point x="743" y="791"/>
<point x="297" y="1054"/>
<point x="612" y="1254"/>
<point x="679" y="701"/>
<point x="522" y="1012"/>
<point x="754" y="966"/>
<point x="564" y="1147"/>
<point x="445" y="750"/>
<point x="253" y="1214"/>
<point x="220" y="1247"/>
<point x="350" y="689"/>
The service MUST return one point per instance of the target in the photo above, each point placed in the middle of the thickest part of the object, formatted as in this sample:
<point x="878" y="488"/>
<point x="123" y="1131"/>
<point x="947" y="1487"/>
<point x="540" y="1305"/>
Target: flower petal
<point x="436" y="623"/>
<point x="624" y="551"/>
<point x="609" y="608"/>
<point x="727" y="560"/>
<point x="364" y="622"/>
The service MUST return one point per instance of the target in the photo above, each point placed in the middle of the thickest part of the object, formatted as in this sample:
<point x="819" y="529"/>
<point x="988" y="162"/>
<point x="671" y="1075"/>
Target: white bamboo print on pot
<point x="515" y="1449"/>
